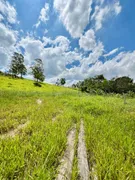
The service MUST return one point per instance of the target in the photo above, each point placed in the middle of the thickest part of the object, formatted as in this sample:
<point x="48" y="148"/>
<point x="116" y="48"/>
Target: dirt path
<point x="82" y="155"/>
<point x="14" y="132"/>
<point x="65" y="170"/>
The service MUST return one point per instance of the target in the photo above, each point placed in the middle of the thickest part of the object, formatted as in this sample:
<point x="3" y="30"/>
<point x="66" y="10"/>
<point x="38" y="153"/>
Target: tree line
<point x="100" y="85"/>
<point x="17" y="67"/>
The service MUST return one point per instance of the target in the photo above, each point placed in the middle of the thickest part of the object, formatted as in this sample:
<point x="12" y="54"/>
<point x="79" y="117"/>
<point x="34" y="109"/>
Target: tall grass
<point x="36" y="150"/>
<point x="110" y="138"/>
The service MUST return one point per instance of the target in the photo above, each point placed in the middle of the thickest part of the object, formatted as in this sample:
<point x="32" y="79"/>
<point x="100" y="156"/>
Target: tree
<point x="100" y="84"/>
<point x="22" y="70"/>
<point x="17" y="65"/>
<point x="123" y="84"/>
<point x="99" y="78"/>
<point x="62" y="81"/>
<point x="73" y="85"/>
<point x="38" y="70"/>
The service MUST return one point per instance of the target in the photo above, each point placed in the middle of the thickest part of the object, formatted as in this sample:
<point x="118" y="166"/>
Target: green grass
<point x="110" y="137"/>
<point x="15" y="84"/>
<point x="35" y="152"/>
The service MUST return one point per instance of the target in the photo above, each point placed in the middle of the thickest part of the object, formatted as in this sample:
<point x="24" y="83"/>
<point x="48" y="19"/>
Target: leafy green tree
<point x="62" y="81"/>
<point x="17" y="65"/>
<point x="123" y="84"/>
<point x="38" y="70"/>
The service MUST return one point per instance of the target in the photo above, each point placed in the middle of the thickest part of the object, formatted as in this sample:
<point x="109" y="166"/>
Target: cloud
<point x="3" y="57"/>
<point x="112" y="52"/>
<point x="101" y="14"/>
<point x="7" y="36"/>
<point x="32" y="47"/>
<point x="8" y="11"/>
<point x="74" y="15"/>
<point x="97" y="52"/>
<point x="8" y="40"/>
<point x="92" y="58"/>
<point x="43" y="17"/>
<point x="47" y="41"/>
<point x="121" y="65"/>
<point x="1" y="17"/>
<point x="60" y="41"/>
<point x="88" y="43"/>
<point x="117" y="8"/>
<point x="55" y="57"/>
<point x="88" y="40"/>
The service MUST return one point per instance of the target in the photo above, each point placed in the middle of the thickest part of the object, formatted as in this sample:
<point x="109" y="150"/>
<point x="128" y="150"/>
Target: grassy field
<point x="50" y="112"/>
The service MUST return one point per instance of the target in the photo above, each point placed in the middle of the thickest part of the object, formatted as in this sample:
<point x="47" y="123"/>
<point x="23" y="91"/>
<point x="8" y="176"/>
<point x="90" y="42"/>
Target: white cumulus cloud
<point x="55" y="57"/>
<point x="88" y="40"/>
<point x="8" y="40"/>
<point x="74" y="14"/>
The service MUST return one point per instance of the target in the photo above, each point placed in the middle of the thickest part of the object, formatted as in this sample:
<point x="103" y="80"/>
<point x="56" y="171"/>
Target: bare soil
<point x="14" y="132"/>
<point x="82" y="155"/>
<point x="65" y="169"/>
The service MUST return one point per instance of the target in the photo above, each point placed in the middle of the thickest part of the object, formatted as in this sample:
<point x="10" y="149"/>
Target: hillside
<point x="50" y="132"/>
<point x="9" y="83"/>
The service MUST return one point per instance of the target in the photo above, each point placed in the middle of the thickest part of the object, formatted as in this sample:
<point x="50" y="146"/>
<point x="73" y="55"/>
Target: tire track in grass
<point x="65" y="169"/>
<point x="82" y="155"/>
<point x="14" y="132"/>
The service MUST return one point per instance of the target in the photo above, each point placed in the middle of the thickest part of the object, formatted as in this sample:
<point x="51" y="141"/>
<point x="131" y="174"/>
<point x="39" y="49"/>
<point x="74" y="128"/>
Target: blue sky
<point x="75" y="39"/>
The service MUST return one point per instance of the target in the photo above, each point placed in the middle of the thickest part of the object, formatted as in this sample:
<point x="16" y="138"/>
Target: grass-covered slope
<point x="35" y="150"/>
<point x="49" y="112"/>
<point x="13" y="84"/>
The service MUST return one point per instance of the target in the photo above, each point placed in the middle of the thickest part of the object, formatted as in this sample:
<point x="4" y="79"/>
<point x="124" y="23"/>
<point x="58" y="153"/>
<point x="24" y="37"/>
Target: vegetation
<point x="36" y="149"/>
<point x="100" y="85"/>
<point x="110" y="137"/>
<point x="38" y="70"/>
<point x="33" y="139"/>
<point x="62" y="81"/>
<point x="17" y="65"/>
